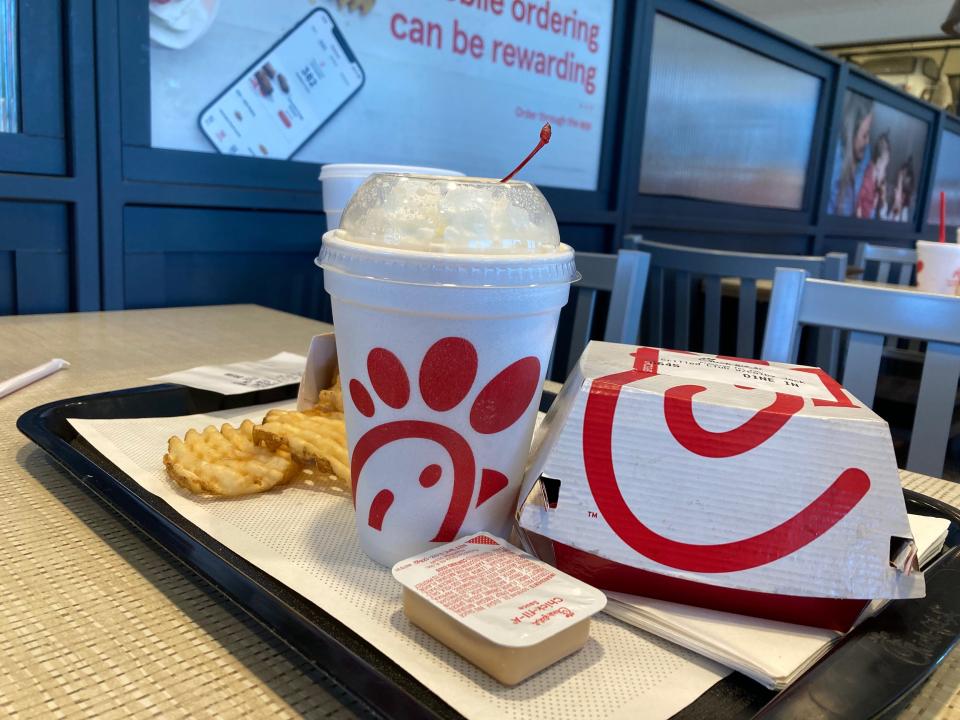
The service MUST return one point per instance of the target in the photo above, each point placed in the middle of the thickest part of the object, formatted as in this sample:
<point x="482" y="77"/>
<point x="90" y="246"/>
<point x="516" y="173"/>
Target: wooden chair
<point x="870" y="313"/>
<point x="685" y="264"/>
<point x="624" y="276"/>
<point x="895" y="265"/>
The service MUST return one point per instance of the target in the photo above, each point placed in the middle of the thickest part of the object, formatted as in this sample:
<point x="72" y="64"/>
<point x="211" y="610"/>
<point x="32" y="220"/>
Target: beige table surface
<point x="98" y="621"/>
<point x="730" y="286"/>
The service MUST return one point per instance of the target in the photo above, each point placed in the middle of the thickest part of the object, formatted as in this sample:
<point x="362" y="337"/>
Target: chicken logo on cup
<point x="825" y="511"/>
<point x="447" y="375"/>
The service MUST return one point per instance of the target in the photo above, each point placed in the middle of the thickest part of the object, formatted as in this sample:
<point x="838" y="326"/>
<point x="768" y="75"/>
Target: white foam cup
<point x="938" y="267"/>
<point x="339" y="181"/>
<point x="442" y="357"/>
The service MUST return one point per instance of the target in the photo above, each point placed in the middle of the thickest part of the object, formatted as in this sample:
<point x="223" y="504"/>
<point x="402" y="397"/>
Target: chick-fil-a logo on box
<point x="823" y="513"/>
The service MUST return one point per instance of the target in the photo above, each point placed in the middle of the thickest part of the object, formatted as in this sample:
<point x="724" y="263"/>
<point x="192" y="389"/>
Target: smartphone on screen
<point x="280" y="101"/>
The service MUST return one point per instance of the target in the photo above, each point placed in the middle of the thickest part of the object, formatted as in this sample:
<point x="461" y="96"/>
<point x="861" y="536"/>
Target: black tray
<point x="873" y="672"/>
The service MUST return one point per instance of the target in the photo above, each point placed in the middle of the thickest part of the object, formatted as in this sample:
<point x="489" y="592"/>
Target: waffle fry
<point x="331" y="399"/>
<point x="227" y="462"/>
<point x="314" y="440"/>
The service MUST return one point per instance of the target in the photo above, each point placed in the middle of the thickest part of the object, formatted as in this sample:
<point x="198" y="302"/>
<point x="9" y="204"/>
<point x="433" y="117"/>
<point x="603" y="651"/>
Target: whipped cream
<point x="451" y="215"/>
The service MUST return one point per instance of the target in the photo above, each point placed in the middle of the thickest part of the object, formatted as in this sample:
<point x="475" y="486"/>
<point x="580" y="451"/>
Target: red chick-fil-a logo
<point x="447" y="374"/>
<point x="811" y="522"/>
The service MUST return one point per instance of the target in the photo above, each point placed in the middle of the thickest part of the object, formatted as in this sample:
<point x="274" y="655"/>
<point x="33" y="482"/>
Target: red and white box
<point x="756" y="488"/>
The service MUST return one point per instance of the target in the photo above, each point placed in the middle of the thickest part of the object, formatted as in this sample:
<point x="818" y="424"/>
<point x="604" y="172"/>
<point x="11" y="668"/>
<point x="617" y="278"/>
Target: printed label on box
<point x="756" y="374"/>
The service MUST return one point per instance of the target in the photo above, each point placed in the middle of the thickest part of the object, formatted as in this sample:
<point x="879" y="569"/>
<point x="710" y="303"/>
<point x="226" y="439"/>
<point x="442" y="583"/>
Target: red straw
<point x="943" y="216"/>
<point x="545" y="133"/>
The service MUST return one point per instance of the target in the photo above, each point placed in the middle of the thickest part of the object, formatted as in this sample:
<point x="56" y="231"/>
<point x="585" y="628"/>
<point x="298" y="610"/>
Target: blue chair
<point x="624" y="276"/>
<point x="894" y="265"/>
<point x="712" y="267"/>
<point x="870" y="313"/>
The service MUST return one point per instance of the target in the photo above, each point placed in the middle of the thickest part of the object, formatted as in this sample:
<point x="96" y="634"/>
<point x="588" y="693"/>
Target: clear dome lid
<point x="450" y="215"/>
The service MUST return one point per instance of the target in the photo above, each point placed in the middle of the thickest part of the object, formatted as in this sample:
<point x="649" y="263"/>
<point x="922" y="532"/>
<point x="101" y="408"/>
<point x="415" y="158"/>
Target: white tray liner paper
<point x="304" y="537"/>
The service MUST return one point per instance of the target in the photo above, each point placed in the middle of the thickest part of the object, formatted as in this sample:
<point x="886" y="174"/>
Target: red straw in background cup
<point x="943" y="216"/>
<point x="545" y="132"/>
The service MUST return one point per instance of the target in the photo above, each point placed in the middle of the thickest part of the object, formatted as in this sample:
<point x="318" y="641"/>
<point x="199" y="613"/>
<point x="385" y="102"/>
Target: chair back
<point x="870" y="313"/>
<point x="624" y="276"/>
<point x="894" y="265"/>
<point x="713" y="268"/>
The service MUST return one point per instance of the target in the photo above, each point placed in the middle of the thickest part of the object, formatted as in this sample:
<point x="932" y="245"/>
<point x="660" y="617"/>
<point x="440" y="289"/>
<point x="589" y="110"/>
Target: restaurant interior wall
<point x="96" y="217"/>
<point x="710" y="111"/>
<point x="928" y="68"/>
<point x="49" y="258"/>
<point x="219" y="228"/>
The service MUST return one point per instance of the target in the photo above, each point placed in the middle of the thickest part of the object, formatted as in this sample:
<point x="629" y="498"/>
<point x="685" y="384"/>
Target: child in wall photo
<point x="897" y="209"/>
<point x="872" y="190"/>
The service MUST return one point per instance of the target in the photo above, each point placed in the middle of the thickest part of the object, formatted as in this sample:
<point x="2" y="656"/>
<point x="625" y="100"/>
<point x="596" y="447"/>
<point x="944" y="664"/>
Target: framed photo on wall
<point x="877" y="161"/>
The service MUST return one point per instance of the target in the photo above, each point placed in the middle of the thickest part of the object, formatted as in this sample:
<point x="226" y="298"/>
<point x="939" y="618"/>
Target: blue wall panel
<point x="43" y="281"/>
<point x="36" y="252"/>
<point x="8" y="284"/>
<point x="201" y="256"/>
<point x="589" y="238"/>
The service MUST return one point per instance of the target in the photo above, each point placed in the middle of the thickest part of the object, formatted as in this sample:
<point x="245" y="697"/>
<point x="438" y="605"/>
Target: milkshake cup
<point x="938" y="267"/>
<point x="339" y="181"/>
<point x="446" y="294"/>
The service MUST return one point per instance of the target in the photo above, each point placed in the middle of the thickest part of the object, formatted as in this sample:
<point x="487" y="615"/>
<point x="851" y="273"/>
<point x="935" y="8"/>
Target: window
<point x="725" y="123"/>
<point x="895" y="65"/>
<point x="947" y="181"/>
<point x="9" y="113"/>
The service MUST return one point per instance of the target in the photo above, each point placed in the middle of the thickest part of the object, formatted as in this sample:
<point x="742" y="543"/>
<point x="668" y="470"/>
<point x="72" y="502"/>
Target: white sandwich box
<point x="756" y="488"/>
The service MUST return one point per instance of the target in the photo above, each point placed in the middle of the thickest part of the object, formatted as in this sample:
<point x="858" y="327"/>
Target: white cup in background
<point x="341" y="180"/>
<point x="938" y="267"/>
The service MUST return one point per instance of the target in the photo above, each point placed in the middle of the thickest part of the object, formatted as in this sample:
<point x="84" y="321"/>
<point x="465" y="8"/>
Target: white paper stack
<point x="241" y="377"/>
<point x="772" y="653"/>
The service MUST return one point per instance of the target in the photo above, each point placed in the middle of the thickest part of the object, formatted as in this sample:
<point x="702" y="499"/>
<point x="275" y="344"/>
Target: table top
<point x="98" y="621"/>
<point x="730" y="286"/>
<point x="894" y="286"/>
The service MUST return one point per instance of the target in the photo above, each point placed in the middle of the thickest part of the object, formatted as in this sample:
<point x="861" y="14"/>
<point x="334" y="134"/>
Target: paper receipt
<point x="282" y="369"/>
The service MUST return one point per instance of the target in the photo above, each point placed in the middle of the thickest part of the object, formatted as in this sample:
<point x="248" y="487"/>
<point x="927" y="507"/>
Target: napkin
<point x="240" y="377"/>
<point x="772" y="653"/>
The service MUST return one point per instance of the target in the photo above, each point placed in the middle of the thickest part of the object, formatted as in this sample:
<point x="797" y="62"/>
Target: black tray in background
<point x="873" y="672"/>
